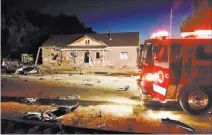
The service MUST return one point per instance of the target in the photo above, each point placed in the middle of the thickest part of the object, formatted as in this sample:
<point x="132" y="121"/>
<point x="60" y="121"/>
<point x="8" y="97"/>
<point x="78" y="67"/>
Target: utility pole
<point x="170" y="29"/>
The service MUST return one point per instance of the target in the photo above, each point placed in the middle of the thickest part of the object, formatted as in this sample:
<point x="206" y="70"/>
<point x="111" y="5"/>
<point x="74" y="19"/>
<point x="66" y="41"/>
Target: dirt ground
<point x="89" y="87"/>
<point x="120" y="110"/>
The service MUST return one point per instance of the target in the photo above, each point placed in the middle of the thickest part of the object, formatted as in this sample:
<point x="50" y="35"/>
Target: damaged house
<point x="114" y="49"/>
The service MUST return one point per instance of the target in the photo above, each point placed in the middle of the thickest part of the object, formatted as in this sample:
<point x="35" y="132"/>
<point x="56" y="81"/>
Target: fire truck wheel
<point x="195" y="102"/>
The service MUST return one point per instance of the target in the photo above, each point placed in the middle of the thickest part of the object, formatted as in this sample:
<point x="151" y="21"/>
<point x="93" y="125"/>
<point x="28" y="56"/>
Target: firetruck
<point x="177" y="70"/>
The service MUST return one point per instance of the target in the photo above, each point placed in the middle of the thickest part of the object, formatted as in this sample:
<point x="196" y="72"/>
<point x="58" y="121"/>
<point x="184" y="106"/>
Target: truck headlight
<point x="151" y="77"/>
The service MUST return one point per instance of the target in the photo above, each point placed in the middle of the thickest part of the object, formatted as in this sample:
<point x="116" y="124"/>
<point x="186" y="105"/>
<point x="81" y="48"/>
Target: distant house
<point x="115" y="49"/>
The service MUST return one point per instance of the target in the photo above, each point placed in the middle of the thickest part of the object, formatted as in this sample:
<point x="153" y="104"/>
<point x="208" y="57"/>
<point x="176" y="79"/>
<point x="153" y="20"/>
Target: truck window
<point x="176" y="54"/>
<point x="164" y="57"/>
<point x="147" y="53"/>
<point x="176" y="62"/>
<point x="161" y="52"/>
<point x="203" y="53"/>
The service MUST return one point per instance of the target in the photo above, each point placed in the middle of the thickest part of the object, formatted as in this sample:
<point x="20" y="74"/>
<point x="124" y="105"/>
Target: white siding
<point x="83" y="43"/>
<point x="130" y="59"/>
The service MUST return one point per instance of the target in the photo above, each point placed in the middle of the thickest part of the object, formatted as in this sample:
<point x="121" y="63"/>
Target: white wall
<point x="114" y="56"/>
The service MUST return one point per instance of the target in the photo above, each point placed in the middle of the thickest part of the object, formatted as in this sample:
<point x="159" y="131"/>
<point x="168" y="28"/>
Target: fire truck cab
<point x="177" y="70"/>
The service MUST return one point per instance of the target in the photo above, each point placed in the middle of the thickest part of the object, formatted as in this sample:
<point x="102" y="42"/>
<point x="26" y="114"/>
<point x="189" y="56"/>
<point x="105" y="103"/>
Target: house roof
<point x="118" y="39"/>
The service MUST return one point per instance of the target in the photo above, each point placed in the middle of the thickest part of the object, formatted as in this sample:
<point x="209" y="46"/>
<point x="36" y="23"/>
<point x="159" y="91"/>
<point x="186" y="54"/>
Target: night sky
<point x="144" y="16"/>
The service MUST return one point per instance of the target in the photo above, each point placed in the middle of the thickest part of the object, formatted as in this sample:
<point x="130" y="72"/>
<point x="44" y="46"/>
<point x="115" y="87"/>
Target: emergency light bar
<point x="198" y="34"/>
<point x="203" y="33"/>
<point x="159" y="34"/>
<point x="186" y="34"/>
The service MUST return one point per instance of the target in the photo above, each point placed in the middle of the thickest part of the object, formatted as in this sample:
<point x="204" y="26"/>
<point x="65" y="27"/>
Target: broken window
<point x="54" y="56"/>
<point x="123" y="55"/>
<point x="97" y="55"/>
<point x="74" y="54"/>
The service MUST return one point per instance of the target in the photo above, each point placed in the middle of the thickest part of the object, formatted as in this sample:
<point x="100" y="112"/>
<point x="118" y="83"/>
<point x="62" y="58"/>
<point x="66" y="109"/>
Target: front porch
<point x="85" y="56"/>
<point x="88" y="57"/>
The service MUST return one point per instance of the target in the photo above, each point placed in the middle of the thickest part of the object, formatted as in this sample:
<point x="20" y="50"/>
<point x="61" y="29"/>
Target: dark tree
<point x="25" y="31"/>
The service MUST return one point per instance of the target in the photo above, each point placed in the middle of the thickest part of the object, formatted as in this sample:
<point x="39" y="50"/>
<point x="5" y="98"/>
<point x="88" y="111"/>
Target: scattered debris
<point x="76" y="97"/>
<point x="62" y="98"/>
<point x="125" y="88"/>
<point x="177" y="123"/>
<point x="100" y="114"/>
<point x="29" y="100"/>
<point x="103" y="125"/>
<point x="25" y="70"/>
<point x="131" y="76"/>
<point x="51" y="115"/>
<point x="98" y="81"/>
<point x="96" y="113"/>
<point x="41" y="79"/>
<point x="109" y="74"/>
<point x="10" y="63"/>
<point x="89" y="84"/>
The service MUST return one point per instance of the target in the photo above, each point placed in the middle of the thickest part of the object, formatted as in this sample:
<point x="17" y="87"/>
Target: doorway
<point x="86" y="57"/>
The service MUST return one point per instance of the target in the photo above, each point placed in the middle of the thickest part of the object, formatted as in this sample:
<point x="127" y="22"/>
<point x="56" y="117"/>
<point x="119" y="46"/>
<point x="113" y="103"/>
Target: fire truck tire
<point x="185" y="101"/>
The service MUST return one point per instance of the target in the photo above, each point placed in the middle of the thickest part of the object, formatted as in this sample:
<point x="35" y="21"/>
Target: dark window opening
<point x="176" y="52"/>
<point x="54" y="56"/>
<point x="86" y="57"/>
<point x="176" y="63"/>
<point x="87" y="42"/>
<point x="149" y="55"/>
<point x="164" y="57"/>
<point x="202" y="54"/>
<point x="97" y="55"/>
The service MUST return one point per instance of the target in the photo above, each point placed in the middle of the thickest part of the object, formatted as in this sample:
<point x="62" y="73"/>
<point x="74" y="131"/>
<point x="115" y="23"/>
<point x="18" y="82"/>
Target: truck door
<point x="161" y="69"/>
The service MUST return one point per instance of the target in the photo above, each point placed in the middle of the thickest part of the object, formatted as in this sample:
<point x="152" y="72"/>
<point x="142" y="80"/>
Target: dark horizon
<point x="144" y="16"/>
